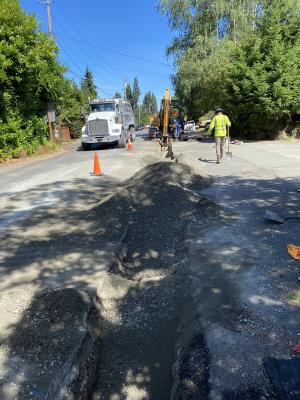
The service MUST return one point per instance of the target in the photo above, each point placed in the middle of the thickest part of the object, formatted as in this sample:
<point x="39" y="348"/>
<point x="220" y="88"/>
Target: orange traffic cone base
<point x="97" y="168"/>
<point x="129" y="145"/>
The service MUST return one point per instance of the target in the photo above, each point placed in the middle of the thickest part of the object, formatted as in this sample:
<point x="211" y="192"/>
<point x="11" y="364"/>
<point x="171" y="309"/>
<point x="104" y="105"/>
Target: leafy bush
<point x="30" y="76"/>
<point x="18" y="136"/>
<point x="75" y="127"/>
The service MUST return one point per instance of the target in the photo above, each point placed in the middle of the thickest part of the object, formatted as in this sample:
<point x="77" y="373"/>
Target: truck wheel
<point x="86" y="146"/>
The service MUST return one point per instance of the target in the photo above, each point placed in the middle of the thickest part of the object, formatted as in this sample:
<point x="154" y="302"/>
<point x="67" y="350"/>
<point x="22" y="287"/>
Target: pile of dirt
<point x="146" y="290"/>
<point x="154" y="208"/>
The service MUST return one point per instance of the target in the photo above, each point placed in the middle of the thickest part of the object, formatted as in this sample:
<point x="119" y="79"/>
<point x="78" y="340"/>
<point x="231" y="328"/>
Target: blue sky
<point x="90" y="33"/>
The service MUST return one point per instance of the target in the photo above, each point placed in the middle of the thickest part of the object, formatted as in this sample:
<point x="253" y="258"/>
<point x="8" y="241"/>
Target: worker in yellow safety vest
<point x="220" y="126"/>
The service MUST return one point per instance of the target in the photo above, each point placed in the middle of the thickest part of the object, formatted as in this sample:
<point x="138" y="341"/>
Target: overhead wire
<point x="122" y="54"/>
<point x="74" y="73"/>
<point x="102" y="76"/>
<point x="70" y="57"/>
<point x="99" y="66"/>
<point x="78" y="30"/>
<point x="72" y="24"/>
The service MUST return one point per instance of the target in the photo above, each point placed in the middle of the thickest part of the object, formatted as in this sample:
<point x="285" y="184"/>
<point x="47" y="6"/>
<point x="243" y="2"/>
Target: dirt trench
<point x="147" y="311"/>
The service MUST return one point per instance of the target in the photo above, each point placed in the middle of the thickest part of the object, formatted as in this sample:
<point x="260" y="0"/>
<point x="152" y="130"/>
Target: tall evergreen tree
<point x="263" y="79"/>
<point x="129" y="95"/>
<point x="88" y="86"/>
<point x="150" y="103"/>
<point x="136" y="92"/>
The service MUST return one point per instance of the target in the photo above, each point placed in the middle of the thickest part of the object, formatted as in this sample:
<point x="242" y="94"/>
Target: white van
<point x="109" y="121"/>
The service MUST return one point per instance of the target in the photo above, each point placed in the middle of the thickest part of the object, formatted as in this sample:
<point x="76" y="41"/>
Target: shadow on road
<point x="99" y="146"/>
<point x="207" y="161"/>
<point x="148" y="290"/>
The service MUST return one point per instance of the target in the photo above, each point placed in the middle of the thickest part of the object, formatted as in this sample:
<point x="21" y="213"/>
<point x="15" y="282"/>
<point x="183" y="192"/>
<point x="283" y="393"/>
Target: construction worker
<point x="220" y="125"/>
<point x="177" y="129"/>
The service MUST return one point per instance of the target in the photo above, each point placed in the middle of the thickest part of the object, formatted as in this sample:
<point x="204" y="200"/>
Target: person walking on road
<point x="220" y="126"/>
<point x="177" y="129"/>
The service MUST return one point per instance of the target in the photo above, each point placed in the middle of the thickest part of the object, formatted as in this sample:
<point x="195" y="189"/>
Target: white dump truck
<point x="109" y="121"/>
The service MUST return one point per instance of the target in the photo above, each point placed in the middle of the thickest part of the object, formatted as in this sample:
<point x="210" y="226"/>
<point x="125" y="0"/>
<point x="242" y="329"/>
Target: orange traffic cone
<point x="97" y="168"/>
<point x="129" y="145"/>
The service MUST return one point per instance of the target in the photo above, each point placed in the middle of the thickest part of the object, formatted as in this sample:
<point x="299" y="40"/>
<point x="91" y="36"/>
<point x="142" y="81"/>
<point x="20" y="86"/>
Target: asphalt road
<point x="243" y="276"/>
<point x="52" y="235"/>
<point x="28" y="185"/>
<point x="266" y="159"/>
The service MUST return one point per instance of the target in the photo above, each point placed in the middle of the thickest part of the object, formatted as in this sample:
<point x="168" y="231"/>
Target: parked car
<point x="191" y="126"/>
<point x="207" y="125"/>
<point x="152" y="132"/>
<point x="139" y="128"/>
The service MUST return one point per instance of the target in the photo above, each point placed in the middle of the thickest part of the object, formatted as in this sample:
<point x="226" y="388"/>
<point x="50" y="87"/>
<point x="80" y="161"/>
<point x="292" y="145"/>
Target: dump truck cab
<point x="109" y="121"/>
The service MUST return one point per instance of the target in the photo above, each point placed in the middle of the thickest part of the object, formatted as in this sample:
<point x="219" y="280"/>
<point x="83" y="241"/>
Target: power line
<point x="148" y="72"/>
<point x="104" y="78"/>
<point x="100" y="66"/>
<point x="108" y="92"/>
<point x="78" y="30"/>
<point x="121" y="54"/>
<point x="70" y="57"/>
<point x="80" y="77"/>
<point x="74" y="73"/>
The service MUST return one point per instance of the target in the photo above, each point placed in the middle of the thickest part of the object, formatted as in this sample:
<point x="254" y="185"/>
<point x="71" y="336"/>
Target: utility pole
<point x="49" y="18"/>
<point x="50" y="33"/>
<point x="139" y="105"/>
<point x="125" y="86"/>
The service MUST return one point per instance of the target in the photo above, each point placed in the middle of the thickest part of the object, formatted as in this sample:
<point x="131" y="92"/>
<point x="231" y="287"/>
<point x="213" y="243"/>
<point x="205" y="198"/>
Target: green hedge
<point x="18" y="136"/>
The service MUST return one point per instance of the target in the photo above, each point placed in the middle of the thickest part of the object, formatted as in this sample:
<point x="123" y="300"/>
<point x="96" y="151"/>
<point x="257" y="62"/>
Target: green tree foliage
<point x="136" y="92"/>
<point x="150" y="103"/>
<point x="263" y="79"/>
<point x="71" y="106"/>
<point x="88" y="87"/>
<point x="129" y="95"/>
<point x="144" y="117"/>
<point x="29" y="77"/>
<point x="243" y="55"/>
<point x="117" y="95"/>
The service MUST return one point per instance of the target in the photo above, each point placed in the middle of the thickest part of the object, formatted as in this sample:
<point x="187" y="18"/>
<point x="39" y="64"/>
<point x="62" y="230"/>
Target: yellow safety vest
<point x="219" y="123"/>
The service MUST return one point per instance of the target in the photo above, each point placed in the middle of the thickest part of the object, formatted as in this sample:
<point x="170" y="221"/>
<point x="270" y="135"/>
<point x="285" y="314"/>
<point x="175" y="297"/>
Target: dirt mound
<point x="186" y="174"/>
<point x="155" y="207"/>
<point x="147" y="288"/>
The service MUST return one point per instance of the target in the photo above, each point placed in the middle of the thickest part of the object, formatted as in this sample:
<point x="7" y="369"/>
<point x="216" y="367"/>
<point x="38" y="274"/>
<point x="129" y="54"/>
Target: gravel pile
<point x="155" y="207"/>
<point x="146" y="290"/>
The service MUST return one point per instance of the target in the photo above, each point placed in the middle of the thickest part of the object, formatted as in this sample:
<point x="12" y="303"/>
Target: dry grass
<point x="294" y="298"/>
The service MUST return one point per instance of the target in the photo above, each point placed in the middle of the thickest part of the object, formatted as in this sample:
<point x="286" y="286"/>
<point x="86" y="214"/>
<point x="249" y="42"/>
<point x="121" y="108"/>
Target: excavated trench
<point x="148" y="316"/>
<point x="176" y="281"/>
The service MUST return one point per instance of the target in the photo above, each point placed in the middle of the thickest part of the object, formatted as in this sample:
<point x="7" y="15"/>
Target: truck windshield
<point x="103" y="107"/>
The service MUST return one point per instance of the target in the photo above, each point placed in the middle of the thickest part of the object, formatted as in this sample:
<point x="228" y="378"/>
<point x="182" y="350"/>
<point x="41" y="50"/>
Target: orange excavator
<point x="171" y="113"/>
<point x="164" y="116"/>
